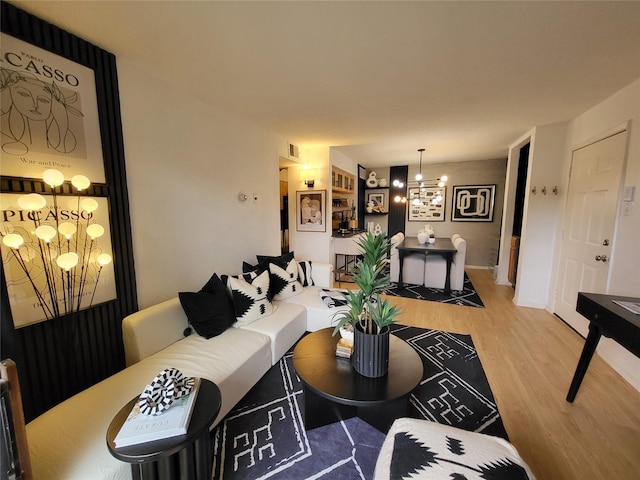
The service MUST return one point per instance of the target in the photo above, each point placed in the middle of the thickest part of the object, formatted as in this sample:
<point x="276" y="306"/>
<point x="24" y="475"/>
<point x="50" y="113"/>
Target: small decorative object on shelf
<point x="372" y="180"/>
<point x="163" y="410"/>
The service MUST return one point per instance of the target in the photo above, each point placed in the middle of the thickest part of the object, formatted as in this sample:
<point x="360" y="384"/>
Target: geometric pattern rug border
<point x="468" y="296"/>
<point x="263" y="436"/>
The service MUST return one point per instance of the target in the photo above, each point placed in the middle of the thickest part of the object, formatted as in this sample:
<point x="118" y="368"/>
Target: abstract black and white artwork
<point x="473" y="203"/>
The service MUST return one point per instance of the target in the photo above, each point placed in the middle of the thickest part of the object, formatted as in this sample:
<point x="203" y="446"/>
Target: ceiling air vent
<point x="293" y="151"/>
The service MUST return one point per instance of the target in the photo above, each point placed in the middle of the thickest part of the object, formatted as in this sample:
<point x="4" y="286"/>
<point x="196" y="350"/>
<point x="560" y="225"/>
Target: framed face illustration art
<point x="50" y="115"/>
<point x="311" y="213"/>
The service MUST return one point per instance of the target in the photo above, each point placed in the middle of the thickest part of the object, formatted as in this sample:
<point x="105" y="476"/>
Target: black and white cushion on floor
<point x="420" y="449"/>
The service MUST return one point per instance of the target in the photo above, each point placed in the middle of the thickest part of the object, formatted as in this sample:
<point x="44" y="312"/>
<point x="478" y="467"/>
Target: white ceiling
<point x="378" y="79"/>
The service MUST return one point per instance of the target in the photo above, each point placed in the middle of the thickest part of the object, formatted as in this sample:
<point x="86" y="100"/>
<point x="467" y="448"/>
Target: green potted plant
<point x="368" y="314"/>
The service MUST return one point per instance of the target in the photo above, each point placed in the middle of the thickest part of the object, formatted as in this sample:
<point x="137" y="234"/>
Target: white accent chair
<point x="394" y="261"/>
<point x="435" y="266"/>
<point x="413" y="268"/>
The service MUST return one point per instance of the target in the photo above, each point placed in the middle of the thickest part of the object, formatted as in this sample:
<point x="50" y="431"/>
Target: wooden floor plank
<point x="529" y="356"/>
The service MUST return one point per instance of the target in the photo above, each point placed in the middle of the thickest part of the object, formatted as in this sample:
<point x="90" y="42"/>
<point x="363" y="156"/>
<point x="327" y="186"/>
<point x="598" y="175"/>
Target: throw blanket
<point x="332" y="298"/>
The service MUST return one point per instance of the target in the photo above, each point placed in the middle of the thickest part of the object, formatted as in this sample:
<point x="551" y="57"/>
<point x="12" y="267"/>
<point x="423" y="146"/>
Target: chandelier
<point x="420" y="185"/>
<point x="56" y="249"/>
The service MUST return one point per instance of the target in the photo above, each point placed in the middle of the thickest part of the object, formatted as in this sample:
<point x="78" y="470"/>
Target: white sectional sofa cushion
<point x="69" y="441"/>
<point x="318" y="314"/>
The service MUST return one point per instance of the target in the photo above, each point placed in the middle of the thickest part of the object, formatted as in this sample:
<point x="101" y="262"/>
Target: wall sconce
<point x="309" y="174"/>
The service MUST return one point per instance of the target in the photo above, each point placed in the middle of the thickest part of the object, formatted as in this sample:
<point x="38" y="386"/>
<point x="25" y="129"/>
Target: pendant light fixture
<point x="421" y="183"/>
<point x="419" y="174"/>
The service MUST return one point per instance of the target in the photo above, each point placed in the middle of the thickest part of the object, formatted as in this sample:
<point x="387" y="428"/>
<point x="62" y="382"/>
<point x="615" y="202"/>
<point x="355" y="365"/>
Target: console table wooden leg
<point x="401" y="265"/>
<point x="447" y="280"/>
<point x="585" y="358"/>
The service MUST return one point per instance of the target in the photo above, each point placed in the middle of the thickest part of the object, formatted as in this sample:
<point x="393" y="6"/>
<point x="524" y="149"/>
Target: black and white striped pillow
<point x="304" y="274"/>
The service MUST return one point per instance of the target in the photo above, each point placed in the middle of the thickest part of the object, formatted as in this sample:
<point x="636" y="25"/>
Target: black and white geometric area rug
<point x="263" y="437"/>
<point x="468" y="296"/>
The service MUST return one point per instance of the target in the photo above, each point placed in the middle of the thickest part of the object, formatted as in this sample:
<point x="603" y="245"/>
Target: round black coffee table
<point x="333" y="390"/>
<point x="184" y="456"/>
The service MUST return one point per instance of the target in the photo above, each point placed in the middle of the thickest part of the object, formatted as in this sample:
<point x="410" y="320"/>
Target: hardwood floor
<point x="529" y="357"/>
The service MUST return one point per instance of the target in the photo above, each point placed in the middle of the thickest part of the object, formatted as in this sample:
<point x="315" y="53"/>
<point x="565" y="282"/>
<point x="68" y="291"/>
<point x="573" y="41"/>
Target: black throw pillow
<point x="263" y="264"/>
<point x="280" y="260"/>
<point x="210" y="311"/>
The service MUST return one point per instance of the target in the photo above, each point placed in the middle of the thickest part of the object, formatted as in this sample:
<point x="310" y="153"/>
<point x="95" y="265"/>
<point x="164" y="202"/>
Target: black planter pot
<point x="370" y="352"/>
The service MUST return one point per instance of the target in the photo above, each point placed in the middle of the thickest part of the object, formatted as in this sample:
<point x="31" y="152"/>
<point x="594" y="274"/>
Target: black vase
<point x="370" y="352"/>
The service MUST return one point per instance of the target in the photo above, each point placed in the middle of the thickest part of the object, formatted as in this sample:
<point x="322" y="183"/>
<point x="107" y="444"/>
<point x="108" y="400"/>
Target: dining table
<point x="442" y="246"/>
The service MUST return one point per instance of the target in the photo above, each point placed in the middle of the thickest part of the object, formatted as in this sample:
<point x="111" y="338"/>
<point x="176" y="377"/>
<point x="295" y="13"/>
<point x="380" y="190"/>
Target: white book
<point x="140" y="428"/>
<point x="633" y="307"/>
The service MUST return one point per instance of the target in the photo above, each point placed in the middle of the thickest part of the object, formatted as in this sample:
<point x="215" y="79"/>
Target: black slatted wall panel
<point x="59" y="357"/>
<point x="397" y="211"/>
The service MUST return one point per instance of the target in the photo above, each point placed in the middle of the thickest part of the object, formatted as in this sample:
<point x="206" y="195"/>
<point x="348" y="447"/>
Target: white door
<point x="594" y="186"/>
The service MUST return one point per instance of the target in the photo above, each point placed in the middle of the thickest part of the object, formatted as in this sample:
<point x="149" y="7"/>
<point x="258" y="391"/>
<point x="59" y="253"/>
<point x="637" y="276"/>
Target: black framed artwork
<point x="427" y="204"/>
<point x="473" y="203"/>
<point x="64" y="91"/>
<point x="49" y="113"/>
<point x="311" y="214"/>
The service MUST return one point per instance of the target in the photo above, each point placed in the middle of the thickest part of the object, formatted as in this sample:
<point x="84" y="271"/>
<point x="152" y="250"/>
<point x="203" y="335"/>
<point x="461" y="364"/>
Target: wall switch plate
<point x="629" y="193"/>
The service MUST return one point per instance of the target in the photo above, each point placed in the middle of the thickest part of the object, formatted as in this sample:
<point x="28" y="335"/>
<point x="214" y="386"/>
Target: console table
<point x="443" y="247"/>
<point x="334" y="391"/>
<point x="608" y="319"/>
<point x="182" y="456"/>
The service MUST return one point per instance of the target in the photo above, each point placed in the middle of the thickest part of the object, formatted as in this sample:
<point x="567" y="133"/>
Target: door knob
<point x="605" y="242"/>
<point x="601" y="258"/>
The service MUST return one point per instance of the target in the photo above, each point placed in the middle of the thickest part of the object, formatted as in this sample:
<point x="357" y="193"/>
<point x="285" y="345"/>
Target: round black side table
<point x="185" y="456"/>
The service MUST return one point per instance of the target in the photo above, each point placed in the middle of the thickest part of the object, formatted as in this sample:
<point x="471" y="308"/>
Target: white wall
<point x="312" y="246"/>
<point x="624" y="277"/>
<point x="541" y="216"/>
<point x="549" y="161"/>
<point x="483" y="238"/>
<point x="186" y="164"/>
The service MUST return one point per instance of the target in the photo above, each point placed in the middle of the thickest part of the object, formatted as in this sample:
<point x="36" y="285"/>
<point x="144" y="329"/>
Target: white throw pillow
<point x="284" y="282"/>
<point x="250" y="299"/>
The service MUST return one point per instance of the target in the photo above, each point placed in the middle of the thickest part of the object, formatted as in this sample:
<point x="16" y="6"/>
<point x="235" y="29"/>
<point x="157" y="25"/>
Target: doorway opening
<point x="521" y="191"/>
<point x="284" y="210"/>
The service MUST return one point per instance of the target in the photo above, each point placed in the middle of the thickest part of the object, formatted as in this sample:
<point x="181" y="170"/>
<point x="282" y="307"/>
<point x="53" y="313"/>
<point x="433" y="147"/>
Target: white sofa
<point x="68" y="442"/>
